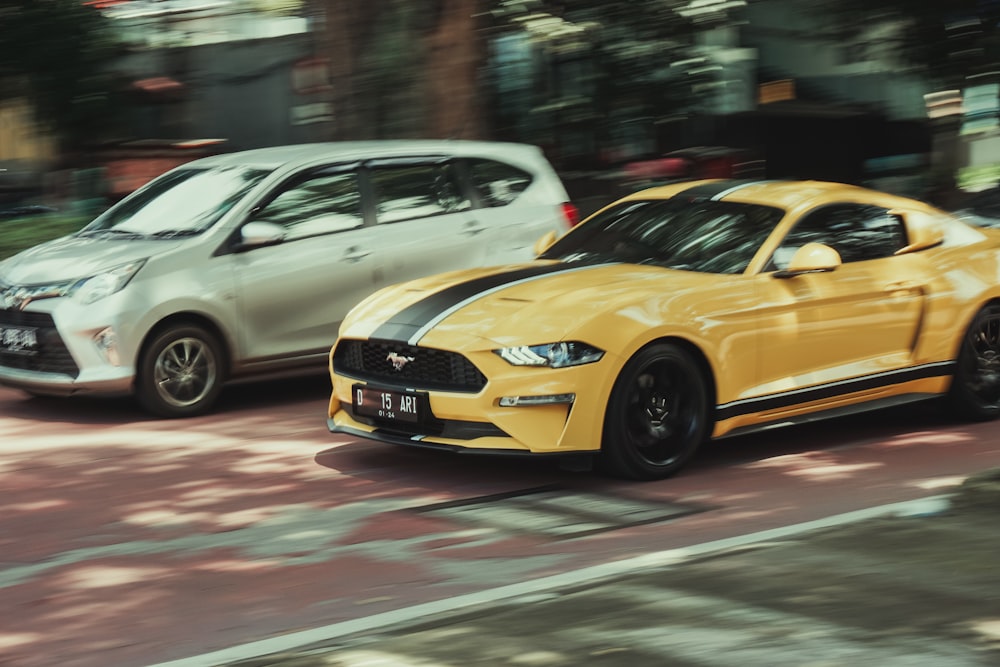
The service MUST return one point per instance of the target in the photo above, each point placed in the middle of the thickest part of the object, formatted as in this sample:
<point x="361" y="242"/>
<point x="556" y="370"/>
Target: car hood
<point x="505" y="304"/>
<point x="73" y="257"/>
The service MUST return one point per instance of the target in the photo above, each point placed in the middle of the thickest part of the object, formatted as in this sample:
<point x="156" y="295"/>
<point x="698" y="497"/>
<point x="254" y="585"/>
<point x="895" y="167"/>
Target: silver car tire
<point x="180" y="372"/>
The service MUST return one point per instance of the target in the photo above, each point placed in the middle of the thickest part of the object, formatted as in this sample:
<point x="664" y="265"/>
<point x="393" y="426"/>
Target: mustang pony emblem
<point x="398" y="360"/>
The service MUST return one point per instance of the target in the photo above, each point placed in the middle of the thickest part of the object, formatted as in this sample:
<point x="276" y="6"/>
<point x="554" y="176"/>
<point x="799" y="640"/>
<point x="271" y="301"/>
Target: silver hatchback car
<point x="242" y="265"/>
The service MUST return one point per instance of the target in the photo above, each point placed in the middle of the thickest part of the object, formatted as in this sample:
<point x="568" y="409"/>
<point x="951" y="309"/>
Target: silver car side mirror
<point x="257" y="234"/>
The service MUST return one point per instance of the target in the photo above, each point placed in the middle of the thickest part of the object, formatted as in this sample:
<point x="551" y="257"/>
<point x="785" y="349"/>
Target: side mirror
<point x="922" y="230"/>
<point x="257" y="234"/>
<point x="544" y="243"/>
<point x="811" y="258"/>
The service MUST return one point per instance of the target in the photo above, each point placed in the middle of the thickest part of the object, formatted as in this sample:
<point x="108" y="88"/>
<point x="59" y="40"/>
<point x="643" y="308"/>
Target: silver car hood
<point x="73" y="257"/>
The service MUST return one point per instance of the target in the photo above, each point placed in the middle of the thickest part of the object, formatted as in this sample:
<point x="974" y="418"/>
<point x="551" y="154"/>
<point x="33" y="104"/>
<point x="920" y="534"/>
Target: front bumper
<point x="68" y="359"/>
<point x="397" y="438"/>
<point x="56" y="384"/>
<point x="465" y="421"/>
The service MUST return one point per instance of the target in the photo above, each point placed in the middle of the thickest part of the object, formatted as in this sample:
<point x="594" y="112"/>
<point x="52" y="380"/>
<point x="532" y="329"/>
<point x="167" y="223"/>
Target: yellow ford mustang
<point x="693" y="310"/>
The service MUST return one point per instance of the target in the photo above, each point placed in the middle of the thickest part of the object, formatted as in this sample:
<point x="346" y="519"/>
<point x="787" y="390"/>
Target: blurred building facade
<point x="26" y="150"/>
<point x="21" y="138"/>
<point x="775" y="77"/>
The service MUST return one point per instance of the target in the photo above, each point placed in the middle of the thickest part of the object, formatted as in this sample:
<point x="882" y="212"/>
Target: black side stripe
<point x="402" y="326"/>
<point x="799" y="396"/>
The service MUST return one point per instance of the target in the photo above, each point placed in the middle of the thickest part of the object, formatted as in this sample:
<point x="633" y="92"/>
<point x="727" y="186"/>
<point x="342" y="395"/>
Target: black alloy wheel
<point x="975" y="387"/>
<point x="180" y="372"/>
<point x="657" y="415"/>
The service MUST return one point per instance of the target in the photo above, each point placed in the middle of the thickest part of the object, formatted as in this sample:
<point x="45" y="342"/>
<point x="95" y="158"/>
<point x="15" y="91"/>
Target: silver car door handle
<point x="355" y="255"/>
<point x="472" y="228"/>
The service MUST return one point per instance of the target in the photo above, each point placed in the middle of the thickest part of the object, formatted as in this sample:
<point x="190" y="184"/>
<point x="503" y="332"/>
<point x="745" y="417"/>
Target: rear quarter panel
<point x="968" y="279"/>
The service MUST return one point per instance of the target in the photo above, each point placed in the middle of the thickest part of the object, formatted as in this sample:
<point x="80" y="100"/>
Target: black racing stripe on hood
<point x="404" y="324"/>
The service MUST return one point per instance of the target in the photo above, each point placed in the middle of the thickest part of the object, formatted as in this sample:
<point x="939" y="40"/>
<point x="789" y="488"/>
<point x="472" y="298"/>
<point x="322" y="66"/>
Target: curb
<point x="979" y="492"/>
<point x="419" y="613"/>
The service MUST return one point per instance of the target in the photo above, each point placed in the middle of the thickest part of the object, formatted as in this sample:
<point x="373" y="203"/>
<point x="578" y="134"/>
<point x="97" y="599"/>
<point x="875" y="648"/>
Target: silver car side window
<point x="321" y="204"/>
<point x="496" y="183"/>
<point x="417" y="191"/>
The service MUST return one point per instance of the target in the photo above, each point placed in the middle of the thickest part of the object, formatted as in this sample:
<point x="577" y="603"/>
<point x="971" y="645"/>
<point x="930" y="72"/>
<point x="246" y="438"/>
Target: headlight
<point x="21" y="295"/>
<point x="89" y="290"/>
<point x="553" y="355"/>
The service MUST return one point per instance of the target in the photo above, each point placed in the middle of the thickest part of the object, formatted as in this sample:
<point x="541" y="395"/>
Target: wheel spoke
<point x="184" y="372"/>
<point x="174" y="359"/>
<point x="196" y="358"/>
<point x="987" y="359"/>
<point x="661" y="419"/>
<point x="978" y="372"/>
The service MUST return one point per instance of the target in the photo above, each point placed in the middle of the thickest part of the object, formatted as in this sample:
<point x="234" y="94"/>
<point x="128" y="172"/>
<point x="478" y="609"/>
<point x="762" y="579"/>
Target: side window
<point x="416" y="191"/>
<point x="317" y="204"/>
<point x="856" y="231"/>
<point x="498" y="184"/>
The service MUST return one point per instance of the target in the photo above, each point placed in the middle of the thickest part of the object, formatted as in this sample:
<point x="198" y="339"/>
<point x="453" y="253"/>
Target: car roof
<point x="277" y="156"/>
<point x="789" y="195"/>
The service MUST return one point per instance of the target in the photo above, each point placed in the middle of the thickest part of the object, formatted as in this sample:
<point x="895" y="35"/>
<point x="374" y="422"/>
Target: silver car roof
<point x="277" y="156"/>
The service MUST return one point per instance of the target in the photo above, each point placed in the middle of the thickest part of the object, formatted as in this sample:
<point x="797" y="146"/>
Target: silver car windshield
<point x="183" y="202"/>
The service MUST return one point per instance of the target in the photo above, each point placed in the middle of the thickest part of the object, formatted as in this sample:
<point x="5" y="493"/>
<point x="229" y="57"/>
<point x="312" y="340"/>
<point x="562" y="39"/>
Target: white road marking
<point x="661" y="559"/>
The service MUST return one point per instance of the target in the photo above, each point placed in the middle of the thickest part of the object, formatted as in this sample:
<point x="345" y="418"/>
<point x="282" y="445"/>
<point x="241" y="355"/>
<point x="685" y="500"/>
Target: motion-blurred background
<point x="99" y="96"/>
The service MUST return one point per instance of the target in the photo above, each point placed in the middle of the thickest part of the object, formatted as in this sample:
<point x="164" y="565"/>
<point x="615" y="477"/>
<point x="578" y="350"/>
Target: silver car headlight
<point x="17" y="296"/>
<point x="96" y="287"/>
<point x="553" y="355"/>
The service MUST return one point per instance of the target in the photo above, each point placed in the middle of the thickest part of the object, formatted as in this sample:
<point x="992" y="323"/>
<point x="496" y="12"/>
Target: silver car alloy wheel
<point x="185" y="372"/>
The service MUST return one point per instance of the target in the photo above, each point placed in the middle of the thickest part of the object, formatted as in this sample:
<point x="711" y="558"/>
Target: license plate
<point x="386" y="404"/>
<point x="18" y="340"/>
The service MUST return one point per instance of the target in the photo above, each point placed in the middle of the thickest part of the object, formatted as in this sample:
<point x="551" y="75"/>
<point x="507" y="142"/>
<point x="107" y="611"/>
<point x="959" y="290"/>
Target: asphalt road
<point x="916" y="587"/>
<point x="129" y="541"/>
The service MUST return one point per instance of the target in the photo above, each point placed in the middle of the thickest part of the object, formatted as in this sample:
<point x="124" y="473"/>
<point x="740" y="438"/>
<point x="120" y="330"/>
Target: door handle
<point x="473" y="228"/>
<point x="903" y="286"/>
<point x="354" y="254"/>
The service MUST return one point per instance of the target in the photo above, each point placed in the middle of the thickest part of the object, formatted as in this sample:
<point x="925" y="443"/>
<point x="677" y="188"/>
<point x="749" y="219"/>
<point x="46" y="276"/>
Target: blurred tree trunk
<point x="429" y="52"/>
<point x="343" y="28"/>
<point x="454" y="51"/>
<point x="339" y="34"/>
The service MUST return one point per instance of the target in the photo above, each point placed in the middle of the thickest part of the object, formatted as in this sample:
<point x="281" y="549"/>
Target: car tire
<point x="180" y="372"/>
<point x="657" y="414"/>
<point x="975" y="387"/>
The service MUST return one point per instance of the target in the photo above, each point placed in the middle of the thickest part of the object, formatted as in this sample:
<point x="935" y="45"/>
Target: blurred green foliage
<point x="58" y="53"/>
<point x="18" y="234"/>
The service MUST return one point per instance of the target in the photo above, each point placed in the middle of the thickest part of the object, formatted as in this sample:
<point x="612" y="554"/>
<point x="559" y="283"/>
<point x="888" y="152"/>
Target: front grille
<point x="52" y="355"/>
<point x="369" y="360"/>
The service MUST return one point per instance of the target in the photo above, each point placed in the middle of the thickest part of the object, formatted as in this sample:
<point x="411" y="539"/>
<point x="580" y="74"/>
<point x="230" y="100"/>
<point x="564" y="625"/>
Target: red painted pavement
<point x="129" y="541"/>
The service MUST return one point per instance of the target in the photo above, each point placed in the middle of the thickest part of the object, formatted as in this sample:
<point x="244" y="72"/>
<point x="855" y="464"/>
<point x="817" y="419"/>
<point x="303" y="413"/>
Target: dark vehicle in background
<point x="18" y="210"/>
<point x="592" y="191"/>
<point x="21" y="190"/>
<point x="695" y="163"/>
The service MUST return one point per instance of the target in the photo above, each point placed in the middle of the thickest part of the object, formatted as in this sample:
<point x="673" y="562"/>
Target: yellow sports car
<point x="693" y="310"/>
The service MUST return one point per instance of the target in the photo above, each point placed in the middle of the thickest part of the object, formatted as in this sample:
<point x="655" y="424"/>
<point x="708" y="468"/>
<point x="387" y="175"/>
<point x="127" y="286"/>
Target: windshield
<point x="705" y="236"/>
<point x="183" y="202"/>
